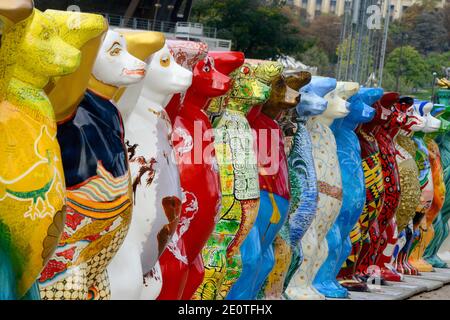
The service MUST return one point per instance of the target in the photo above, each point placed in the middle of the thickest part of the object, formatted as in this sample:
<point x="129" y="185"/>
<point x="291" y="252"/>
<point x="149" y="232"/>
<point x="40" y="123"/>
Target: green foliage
<point x="324" y="32"/>
<point x="317" y="57"/>
<point x="429" y="33"/>
<point x="423" y="27"/>
<point x="344" y="48"/>
<point x="266" y="29"/>
<point x="409" y="66"/>
<point x="437" y="62"/>
<point x="390" y="83"/>
<point x="258" y="28"/>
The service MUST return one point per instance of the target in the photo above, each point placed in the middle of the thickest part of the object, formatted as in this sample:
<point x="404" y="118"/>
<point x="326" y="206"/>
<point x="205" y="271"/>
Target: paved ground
<point x="440" y="294"/>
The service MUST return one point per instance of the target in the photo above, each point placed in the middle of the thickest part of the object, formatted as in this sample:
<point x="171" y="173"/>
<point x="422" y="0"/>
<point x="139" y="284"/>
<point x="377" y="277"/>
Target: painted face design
<point x="415" y="122"/>
<point x="337" y="99"/>
<point x="360" y="112"/>
<point x="115" y="66"/>
<point x="424" y="108"/>
<point x="208" y="80"/>
<point x="337" y="107"/>
<point x="247" y="89"/>
<point x="311" y="104"/>
<point x="187" y="53"/>
<point x="44" y="53"/>
<point x="172" y="78"/>
<point x="282" y="97"/>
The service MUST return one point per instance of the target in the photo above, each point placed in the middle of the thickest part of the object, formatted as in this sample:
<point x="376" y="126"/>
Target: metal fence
<point x="181" y="30"/>
<point x="161" y="26"/>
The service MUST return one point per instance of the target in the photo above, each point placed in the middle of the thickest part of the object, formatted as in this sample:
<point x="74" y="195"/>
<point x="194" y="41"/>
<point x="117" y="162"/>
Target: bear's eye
<point x="164" y="61"/>
<point x="46" y="35"/>
<point x="115" y="52"/>
<point x="245" y="70"/>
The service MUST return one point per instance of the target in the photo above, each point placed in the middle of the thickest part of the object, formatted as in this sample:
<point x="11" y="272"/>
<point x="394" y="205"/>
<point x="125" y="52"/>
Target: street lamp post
<point x="432" y="87"/>
<point x="170" y="7"/>
<point x="157" y="6"/>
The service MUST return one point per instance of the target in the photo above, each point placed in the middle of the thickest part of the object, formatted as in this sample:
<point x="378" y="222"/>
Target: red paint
<point x="368" y="222"/>
<point x="389" y="119"/>
<point x="273" y="175"/>
<point x="53" y="267"/>
<point x="68" y="254"/>
<point x="187" y="54"/>
<point x="73" y="220"/>
<point x="200" y="180"/>
<point x="92" y="238"/>
<point x="392" y="226"/>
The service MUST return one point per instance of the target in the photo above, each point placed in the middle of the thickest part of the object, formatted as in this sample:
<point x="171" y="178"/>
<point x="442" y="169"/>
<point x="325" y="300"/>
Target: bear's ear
<point x="406" y="100"/>
<point x="227" y="61"/>
<point x="143" y="44"/>
<point x="346" y="89"/>
<point x="14" y="11"/>
<point x="298" y="80"/>
<point x="293" y="82"/>
<point x="389" y="98"/>
<point x="85" y="32"/>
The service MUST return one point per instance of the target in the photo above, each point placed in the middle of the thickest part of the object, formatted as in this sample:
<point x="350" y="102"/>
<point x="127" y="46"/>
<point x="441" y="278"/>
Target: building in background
<point x="399" y="6"/>
<point x="316" y="8"/>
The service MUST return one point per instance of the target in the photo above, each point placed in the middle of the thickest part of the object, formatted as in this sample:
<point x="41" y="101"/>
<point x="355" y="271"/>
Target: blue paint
<point x="7" y="277"/>
<point x="302" y="172"/>
<point x="33" y="293"/>
<point x="94" y="133"/>
<point x="354" y="190"/>
<point x="8" y="270"/>
<point x="257" y="254"/>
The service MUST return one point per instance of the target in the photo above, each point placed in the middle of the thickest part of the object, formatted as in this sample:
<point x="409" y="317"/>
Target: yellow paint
<point x="415" y="259"/>
<point x="101" y="89"/>
<point x="31" y="176"/>
<point x="275" y="281"/>
<point x="84" y="31"/>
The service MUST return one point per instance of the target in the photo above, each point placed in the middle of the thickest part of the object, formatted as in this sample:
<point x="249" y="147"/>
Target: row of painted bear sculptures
<point x="139" y="168"/>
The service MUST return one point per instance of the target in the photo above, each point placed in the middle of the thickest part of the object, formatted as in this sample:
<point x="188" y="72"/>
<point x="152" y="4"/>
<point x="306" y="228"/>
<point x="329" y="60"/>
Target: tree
<point x="317" y="57"/>
<point x="429" y="4"/>
<point x="446" y="20"/>
<point x="409" y="66"/>
<point x="390" y="83"/>
<point x="325" y="32"/>
<point x="422" y="26"/>
<point x="258" y="28"/>
<point x="429" y="33"/>
<point x="438" y="62"/>
<point x="343" y="50"/>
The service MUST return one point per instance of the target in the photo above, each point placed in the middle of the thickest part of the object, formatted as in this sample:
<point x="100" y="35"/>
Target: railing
<point x="194" y="29"/>
<point x="181" y="30"/>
